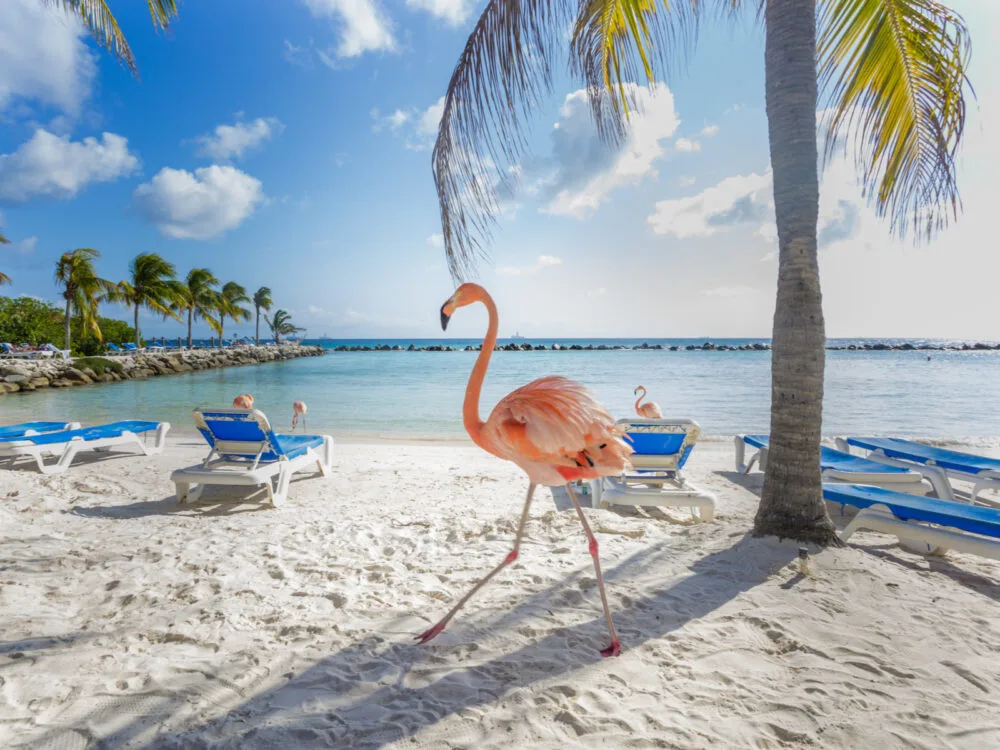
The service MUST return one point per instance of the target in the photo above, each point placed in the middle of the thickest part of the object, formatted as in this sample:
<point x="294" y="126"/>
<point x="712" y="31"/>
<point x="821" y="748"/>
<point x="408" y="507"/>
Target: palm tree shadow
<point x="402" y="683"/>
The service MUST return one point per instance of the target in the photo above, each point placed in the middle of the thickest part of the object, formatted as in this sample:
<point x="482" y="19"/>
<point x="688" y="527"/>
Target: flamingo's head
<point x="639" y="388"/>
<point x="464" y="295"/>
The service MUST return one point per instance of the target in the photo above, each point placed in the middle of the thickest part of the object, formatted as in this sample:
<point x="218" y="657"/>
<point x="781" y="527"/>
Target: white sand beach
<point x="131" y="621"/>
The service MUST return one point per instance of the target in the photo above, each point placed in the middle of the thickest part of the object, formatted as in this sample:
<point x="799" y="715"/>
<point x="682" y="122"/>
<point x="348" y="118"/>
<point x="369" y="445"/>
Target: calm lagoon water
<point x="419" y="394"/>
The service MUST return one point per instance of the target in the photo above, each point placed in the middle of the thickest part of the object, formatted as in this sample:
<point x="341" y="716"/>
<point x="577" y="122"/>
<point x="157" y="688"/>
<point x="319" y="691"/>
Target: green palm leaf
<point x="894" y="72"/>
<point x="99" y="19"/>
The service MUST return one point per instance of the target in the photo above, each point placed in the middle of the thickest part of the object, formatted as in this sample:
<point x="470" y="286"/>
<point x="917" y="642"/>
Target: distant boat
<point x="517" y="337"/>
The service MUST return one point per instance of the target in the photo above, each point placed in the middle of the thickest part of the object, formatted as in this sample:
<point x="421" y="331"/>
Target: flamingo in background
<point x="299" y="407"/>
<point x="650" y="409"/>
<point x="243" y="401"/>
<point x="552" y="428"/>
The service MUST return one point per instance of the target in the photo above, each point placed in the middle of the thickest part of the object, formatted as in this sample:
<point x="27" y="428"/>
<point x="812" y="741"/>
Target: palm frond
<point x="502" y="75"/>
<point x="103" y="26"/>
<point x="894" y="74"/>
<point x="4" y="240"/>
<point x="620" y="42"/>
<point x="4" y="278"/>
<point x="98" y="18"/>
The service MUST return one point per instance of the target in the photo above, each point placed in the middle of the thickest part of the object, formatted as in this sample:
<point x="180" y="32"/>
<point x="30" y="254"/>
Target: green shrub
<point x="26" y="320"/>
<point x="99" y="365"/>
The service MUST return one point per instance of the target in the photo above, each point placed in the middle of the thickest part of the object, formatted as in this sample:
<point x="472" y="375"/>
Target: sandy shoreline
<point x="130" y="621"/>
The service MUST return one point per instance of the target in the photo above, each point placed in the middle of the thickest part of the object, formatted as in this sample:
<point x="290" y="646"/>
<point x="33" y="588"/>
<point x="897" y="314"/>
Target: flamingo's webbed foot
<point x="613" y="650"/>
<point x="428" y="635"/>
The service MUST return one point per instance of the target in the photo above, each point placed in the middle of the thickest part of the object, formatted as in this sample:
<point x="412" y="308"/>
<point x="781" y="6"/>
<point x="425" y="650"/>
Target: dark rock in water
<point x="980" y="346"/>
<point x="690" y="347"/>
<point x="673" y="348"/>
<point x="907" y="347"/>
<point x="707" y="346"/>
<point x="643" y="346"/>
<point x="576" y="347"/>
<point x="556" y="347"/>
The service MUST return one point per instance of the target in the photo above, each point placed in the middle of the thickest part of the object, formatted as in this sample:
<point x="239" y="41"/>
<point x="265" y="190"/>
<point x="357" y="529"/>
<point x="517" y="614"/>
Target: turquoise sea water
<point x="419" y="394"/>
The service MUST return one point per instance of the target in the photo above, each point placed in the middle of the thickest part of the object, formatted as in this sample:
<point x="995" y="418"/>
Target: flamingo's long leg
<point x="511" y="557"/>
<point x="616" y="646"/>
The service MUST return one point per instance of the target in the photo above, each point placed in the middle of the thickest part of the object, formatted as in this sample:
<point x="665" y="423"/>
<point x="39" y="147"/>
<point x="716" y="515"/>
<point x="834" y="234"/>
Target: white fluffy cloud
<point x="585" y="170"/>
<point x="54" y="166"/>
<point x="709" y="130"/>
<point x="198" y="206"/>
<point x="452" y="12"/>
<point x="436" y="240"/>
<point x="736" y="200"/>
<point x="543" y="261"/>
<point x="747" y="200"/>
<point x="43" y="57"/>
<point x="363" y="26"/>
<point x="417" y="127"/>
<point x="687" y="145"/>
<point x="232" y="141"/>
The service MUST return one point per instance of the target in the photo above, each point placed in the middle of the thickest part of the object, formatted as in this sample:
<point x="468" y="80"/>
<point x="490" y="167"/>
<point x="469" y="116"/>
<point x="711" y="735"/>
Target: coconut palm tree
<point x="4" y="278"/>
<point x="261" y="301"/>
<point x="152" y="285"/>
<point x="198" y="298"/>
<point x="892" y="74"/>
<point x="82" y="289"/>
<point x="230" y="302"/>
<point x="96" y="15"/>
<point x="281" y="325"/>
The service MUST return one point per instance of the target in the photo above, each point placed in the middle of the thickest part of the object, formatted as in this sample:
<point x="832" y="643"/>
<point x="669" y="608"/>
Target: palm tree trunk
<point x="256" y="337"/>
<point x="791" y="504"/>
<point x="67" y="333"/>
<point x="190" y="324"/>
<point x="222" y="328"/>
<point x="138" y="338"/>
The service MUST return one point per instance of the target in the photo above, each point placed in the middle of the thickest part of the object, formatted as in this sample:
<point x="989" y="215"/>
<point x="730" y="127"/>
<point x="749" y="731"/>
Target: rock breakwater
<point x="26" y="375"/>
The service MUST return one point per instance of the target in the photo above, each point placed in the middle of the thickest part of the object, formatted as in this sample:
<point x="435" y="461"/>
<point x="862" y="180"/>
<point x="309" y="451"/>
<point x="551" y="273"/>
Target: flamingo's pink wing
<point x="555" y="420"/>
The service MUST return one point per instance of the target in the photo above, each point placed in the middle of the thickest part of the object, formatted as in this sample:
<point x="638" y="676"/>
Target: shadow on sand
<point x="372" y="693"/>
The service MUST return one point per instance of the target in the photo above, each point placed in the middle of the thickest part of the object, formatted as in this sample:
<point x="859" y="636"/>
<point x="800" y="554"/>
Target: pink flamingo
<point x="243" y="401"/>
<point x="299" y="407"/>
<point x="650" y="409"/>
<point x="552" y="428"/>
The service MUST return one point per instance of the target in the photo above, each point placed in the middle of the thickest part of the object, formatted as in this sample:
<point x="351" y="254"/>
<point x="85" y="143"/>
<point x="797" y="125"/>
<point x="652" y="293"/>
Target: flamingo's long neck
<point x="470" y="409"/>
<point x="642" y="395"/>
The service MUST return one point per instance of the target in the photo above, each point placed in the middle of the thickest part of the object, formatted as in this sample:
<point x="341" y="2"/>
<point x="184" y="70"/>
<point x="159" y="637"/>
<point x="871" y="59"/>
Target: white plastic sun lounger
<point x="23" y="429"/>
<point x="938" y="465"/>
<point x="933" y="525"/>
<point x="837" y="466"/>
<point x="65" y="444"/>
<point x="662" y="447"/>
<point x="246" y="452"/>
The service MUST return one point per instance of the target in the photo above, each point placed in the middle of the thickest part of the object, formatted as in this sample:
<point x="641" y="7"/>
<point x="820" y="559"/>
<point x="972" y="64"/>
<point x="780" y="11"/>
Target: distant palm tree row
<point x="153" y="285"/>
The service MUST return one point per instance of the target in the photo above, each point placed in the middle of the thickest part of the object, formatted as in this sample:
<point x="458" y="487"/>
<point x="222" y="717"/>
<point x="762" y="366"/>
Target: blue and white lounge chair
<point x="132" y="348"/>
<point x="938" y="465"/>
<point x="114" y="348"/>
<point x="35" y="428"/>
<point x="933" y="526"/>
<point x="837" y="466"/>
<point x="245" y="451"/>
<point x="662" y="447"/>
<point x="66" y="444"/>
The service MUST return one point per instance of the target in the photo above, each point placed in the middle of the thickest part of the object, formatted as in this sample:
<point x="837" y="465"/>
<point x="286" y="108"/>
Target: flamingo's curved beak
<point x="446" y="311"/>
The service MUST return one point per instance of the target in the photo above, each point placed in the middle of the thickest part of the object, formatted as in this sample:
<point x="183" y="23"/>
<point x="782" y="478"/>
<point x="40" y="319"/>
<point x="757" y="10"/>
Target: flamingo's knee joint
<point x="510" y="557"/>
<point x="593" y="547"/>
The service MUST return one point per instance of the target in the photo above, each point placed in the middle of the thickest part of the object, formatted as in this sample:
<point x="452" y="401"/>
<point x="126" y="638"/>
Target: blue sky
<point x="289" y="145"/>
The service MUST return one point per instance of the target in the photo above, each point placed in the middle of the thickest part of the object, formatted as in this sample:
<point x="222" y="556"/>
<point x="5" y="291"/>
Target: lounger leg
<point x="741" y="449"/>
<point x="279" y="493"/>
<point x="64" y="460"/>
